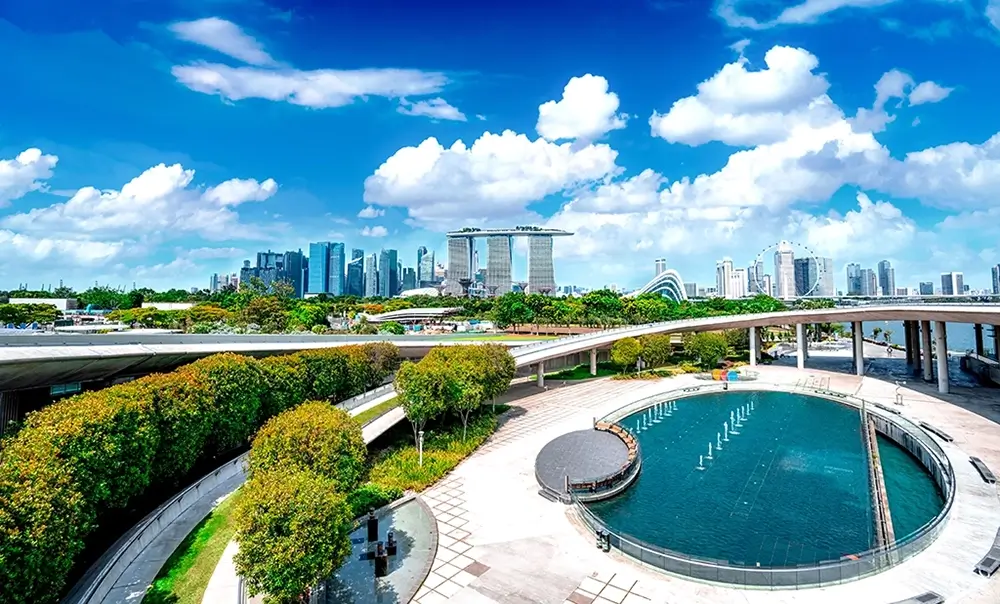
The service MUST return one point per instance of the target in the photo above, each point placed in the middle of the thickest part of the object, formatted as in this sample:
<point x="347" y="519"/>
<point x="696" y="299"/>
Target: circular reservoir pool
<point x="791" y="488"/>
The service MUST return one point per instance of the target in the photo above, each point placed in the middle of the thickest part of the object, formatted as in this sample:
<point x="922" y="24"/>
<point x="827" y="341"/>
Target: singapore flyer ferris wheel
<point x="798" y="271"/>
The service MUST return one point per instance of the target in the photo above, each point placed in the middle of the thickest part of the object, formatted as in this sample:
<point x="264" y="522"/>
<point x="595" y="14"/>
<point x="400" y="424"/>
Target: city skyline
<point x="208" y="137"/>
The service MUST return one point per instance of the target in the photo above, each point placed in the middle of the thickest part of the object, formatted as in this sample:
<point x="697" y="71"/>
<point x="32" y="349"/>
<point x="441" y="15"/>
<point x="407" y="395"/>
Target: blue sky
<point x="159" y="142"/>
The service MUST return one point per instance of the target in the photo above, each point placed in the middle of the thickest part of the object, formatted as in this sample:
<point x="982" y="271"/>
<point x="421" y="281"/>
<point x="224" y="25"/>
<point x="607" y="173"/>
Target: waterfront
<point x="961" y="336"/>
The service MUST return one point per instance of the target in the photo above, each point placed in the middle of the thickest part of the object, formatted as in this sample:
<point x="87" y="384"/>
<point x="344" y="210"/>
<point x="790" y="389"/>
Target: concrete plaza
<point x="501" y="542"/>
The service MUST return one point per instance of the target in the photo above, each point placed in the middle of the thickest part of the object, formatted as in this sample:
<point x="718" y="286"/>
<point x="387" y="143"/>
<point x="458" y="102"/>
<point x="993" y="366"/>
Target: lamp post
<point x="899" y="395"/>
<point x="420" y="447"/>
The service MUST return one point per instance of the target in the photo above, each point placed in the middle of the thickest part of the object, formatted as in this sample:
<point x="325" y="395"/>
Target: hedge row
<point x="95" y="452"/>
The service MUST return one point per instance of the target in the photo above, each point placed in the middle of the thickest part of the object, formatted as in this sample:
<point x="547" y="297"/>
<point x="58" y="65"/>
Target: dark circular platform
<point x="581" y="455"/>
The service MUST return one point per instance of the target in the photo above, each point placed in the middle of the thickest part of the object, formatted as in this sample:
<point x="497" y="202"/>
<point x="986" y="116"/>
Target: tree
<point x="267" y="312"/>
<point x="656" y="350"/>
<point x="511" y="309"/>
<point x="293" y="529"/>
<point x="392" y="327"/>
<point x="887" y="336"/>
<point x="625" y="352"/>
<point x="424" y="390"/>
<point x="471" y="392"/>
<point x="876" y="332"/>
<point x="708" y="347"/>
<point x="738" y="339"/>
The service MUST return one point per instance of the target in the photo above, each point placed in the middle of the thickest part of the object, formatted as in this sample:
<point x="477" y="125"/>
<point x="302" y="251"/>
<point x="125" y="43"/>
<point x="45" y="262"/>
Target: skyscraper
<point x="409" y="279"/>
<point x="388" y="274"/>
<point x="371" y="276"/>
<point x="724" y="278"/>
<point x="784" y="271"/>
<point x="661" y="266"/>
<point x="755" y="278"/>
<point x="541" y="268"/>
<point x="926" y="288"/>
<point x="886" y="278"/>
<point x="356" y="276"/>
<point x="738" y="284"/>
<point x="425" y="269"/>
<point x="292" y="271"/>
<point x="337" y="278"/>
<point x="824" y="274"/>
<point x="319" y="268"/>
<point x="854" y="278"/>
<point x="499" y="264"/>
<point x="459" y="263"/>
<point x="952" y="284"/>
<point x="996" y="279"/>
<point x="421" y="252"/>
<point x="869" y="282"/>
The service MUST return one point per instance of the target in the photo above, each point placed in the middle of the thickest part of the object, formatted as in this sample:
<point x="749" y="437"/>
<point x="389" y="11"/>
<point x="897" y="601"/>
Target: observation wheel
<point x="766" y="258"/>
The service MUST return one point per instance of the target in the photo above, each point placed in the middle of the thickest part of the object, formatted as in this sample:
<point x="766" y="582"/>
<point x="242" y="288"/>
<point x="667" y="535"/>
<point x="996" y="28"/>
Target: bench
<point x="925" y="598"/>
<point x="885" y="408"/>
<point x="984" y="471"/>
<point x="937" y="432"/>
<point x="990" y="563"/>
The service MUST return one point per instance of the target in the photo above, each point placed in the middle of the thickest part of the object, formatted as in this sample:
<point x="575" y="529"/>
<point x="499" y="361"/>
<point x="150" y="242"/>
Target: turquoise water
<point x="792" y="488"/>
<point x="914" y="497"/>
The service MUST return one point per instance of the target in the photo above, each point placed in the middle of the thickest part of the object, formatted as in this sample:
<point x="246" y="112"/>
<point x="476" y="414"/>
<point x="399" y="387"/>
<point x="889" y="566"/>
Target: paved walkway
<point x="518" y="547"/>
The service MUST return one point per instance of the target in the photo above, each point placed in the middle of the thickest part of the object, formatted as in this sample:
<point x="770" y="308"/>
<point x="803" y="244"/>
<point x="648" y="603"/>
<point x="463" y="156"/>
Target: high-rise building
<point x="886" y="278"/>
<point x="869" y="282"/>
<point x="952" y="284"/>
<point x="769" y="286"/>
<point x="409" y="278"/>
<point x="724" y="277"/>
<point x="854" y="279"/>
<point x="784" y="271"/>
<point x="319" y="268"/>
<point x="425" y="270"/>
<point x="996" y="279"/>
<point x="691" y="289"/>
<point x="541" y="269"/>
<point x="661" y="266"/>
<point x="459" y="263"/>
<point x="814" y="276"/>
<point x="388" y="273"/>
<point x="355" y="285"/>
<point x="371" y="276"/>
<point x="337" y="278"/>
<point x="499" y="264"/>
<point x="805" y="269"/>
<point x="755" y="278"/>
<point x="738" y="284"/>
<point x="926" y="288"/>
<point x="292" y="271"/>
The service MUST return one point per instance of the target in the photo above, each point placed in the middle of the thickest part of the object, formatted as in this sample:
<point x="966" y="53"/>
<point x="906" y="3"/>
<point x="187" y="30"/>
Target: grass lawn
<point x="185" y="575"/>
<point x="378" y="410"/>
<point x="582" y="372"/>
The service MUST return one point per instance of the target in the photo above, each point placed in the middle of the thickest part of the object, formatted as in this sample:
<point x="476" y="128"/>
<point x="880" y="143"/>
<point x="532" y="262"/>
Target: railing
<point x="355" y="402"/>
<point x="602" y="487"/>
<point x="785" y="577"/>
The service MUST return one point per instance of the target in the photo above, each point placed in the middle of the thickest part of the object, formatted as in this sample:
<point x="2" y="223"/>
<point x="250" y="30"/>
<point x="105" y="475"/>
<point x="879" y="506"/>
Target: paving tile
<point x="445" y="517"/>
<point x="433" y="598"/>
<point x="578" y="597"/>
<point x="621" y="581"/>
<point x="463" y="578"/>
<point x="592" y="586"/>
<point x="602" y="600"/>
<point x="476" y="569"/>
<point x="433" y="580"/>
<point x="604" y="576"/>
<point x="448" y="589"/>
<point x="457" y="522"/>
<point x="634" y="598"/>
<point x="613" y="593"/>
<point x="641" y="589"/>
<point x="459" y="534"/>
<point x="446" y="541"/>
<point x="448" y="570"/>
<point x="460" y="547"/>
<point x="421" y="592"/>
<point x="438" y="563"/>
<point x="462" y="561"/>
<point x="446" y="554"/>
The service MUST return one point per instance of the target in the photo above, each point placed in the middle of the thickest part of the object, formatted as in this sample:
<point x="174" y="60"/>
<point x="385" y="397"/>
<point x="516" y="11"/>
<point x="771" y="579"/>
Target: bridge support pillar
<point x="925" y="336"/>
<point x="941" y="345"/>
<point x="996" y="342"/>
<point x="915" y="343"/>
<point x="908" y="333"/>
<point x="800" y="337"/>
<point x="858" y="337"/>
<point x="754" y="346"/>
<point x="540" y="369"/>
<point x="593" y="361"/>
<point x="979" y="338"/>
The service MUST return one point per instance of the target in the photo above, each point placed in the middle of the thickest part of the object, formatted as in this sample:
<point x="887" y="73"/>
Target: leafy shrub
<point x="327" y="373"/>
<point x="236" y="387"/>
<point x="285" y="384"/>
<point x="314" y="436"/>
<point x="183" y="405"/>
<point x="293" y="528"/>
<point x="371" y="497"/>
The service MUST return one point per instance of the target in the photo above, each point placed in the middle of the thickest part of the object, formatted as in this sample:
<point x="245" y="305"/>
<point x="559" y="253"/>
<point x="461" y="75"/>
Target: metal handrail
<point x="861" y="564"/>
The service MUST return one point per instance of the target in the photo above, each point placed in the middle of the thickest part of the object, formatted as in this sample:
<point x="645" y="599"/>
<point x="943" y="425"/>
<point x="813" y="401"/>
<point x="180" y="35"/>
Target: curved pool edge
<point x="930" y="455"/>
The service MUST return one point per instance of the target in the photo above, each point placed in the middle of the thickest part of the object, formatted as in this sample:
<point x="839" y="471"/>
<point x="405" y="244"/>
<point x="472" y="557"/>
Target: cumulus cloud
<point x="433" y="108"/>
<point x="263" y="78"/>
<point x="24" y="174"/>
<point x="805" y="12"/>
<point x="587" y="111"/>
<point x="80" y="252"/>
<point x="371" y="212"/>
<point x="929" y="92"/>
<point x="374" y="231"/>
<point x="225" y="37"/>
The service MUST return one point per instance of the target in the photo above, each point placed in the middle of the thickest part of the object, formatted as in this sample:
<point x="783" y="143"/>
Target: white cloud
<point x="159" y="202"/>
<point x="79" y="252"/>
<point x="993" y="13"/>
<point x="956" y="176"/>
<point x="929" y="92"/>
<point x="739" y="106"/>
<point x="587" y="111"/>
<point x="433" y="108"/>
<point x="875" y="227"/>
<point x="740" y="45"/>
<point x="212" y="253"/>
<point x="498" y="176"/>
<point x="317" y="88"/>
<point x="225" y="37"/>
<point x="806" y="11"/>
<point x="24" y="174"/>
<point x="371" y="212"/>
<point x="374" y="231"/>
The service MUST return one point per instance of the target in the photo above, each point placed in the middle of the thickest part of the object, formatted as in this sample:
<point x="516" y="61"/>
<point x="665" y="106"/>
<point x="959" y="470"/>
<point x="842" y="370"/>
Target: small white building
<point x="62" y="304"/>
<point x="168" y="305"/>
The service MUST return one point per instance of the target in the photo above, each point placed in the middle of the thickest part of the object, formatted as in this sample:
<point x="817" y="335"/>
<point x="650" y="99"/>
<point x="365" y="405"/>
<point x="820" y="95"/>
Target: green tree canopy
<point x="656" y="349"/>
<point x="625" y="352"/>
<point x="708" y="347"/>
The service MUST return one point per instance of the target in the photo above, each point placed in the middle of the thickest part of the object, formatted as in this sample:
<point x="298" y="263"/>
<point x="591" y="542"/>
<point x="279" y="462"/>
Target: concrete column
<point x="908" y="332"/>
<point x="541" y="374"/>
<point x="593" y="361"/>
<point x="925" y="336"/>
<point x="800" y="336"/>
<point x="859" y="347"/>
<point x="754" y="346"/>
<point x="941" y="348"/>
<point x="979" y="338"/>
<point x="996" y="342"/>
<point x="915" y="342"/>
